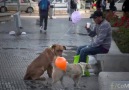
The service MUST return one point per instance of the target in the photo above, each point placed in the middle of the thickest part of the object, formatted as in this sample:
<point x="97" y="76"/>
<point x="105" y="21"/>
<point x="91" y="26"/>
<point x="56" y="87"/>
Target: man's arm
<point x="103" y="32"/>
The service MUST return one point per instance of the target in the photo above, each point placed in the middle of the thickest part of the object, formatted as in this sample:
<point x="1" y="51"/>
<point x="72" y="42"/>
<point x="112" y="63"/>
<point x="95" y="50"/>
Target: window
<point x="24" y="1"/>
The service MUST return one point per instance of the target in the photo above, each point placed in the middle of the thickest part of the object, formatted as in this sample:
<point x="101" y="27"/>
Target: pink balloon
<point x="76" y="16"/>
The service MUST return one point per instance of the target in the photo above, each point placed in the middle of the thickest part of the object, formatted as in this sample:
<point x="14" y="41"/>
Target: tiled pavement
<point x="16" y="52"/>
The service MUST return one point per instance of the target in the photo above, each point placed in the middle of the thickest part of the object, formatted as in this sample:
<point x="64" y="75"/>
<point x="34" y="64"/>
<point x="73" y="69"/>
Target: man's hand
<point x="87" y="26"/>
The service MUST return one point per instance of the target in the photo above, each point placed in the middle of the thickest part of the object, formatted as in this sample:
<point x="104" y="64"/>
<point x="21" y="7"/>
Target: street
<point x="17" y="52"/>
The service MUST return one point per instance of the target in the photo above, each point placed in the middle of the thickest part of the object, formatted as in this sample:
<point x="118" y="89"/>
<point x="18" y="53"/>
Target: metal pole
<point x="17" y="23"/>
<point x="17" y="18"/>
<point x="18" y="5"/>
<point x="54" y="9"/>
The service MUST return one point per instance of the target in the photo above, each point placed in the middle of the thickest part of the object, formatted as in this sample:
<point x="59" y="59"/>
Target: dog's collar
<point x="83" y="71"/>
<point x="53" y="51"/>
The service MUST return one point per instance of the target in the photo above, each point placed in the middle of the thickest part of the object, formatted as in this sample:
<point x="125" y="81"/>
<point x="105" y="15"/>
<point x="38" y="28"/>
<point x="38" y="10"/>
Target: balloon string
<point x="71" y="27"/>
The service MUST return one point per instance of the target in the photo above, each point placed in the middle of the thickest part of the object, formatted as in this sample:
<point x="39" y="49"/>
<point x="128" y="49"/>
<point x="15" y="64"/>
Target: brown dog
<point x="43" y="62"/>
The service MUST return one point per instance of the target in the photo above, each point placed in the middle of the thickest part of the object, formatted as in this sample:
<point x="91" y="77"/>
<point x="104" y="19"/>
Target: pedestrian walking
<point x="103" y="5"/>
<point x="44" y="6"/>
<point x="72" y="6"/>
<point x="125" y="8"/>
<point x="98" y="5"/>
<point x="103" y="38"/>
<point x="112" y="6"/>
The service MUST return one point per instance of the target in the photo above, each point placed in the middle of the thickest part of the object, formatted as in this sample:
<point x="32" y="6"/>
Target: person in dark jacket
<point x="98" y="5"/>
<point x="103" y="5"/>
<point x="125" y="6"/>
<point x="112" y="5"/>
<point x="43" y="16"/>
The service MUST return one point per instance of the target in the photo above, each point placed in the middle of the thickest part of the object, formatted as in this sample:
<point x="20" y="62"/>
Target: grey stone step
<point x="113" y="81"/>
<point x="114" y="63"/>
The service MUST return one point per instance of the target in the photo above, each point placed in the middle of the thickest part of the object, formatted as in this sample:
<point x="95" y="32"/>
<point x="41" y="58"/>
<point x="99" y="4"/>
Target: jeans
<point x="43" y="18"/>
<point x="103" y="8"/>
<point x="83" y="51"/>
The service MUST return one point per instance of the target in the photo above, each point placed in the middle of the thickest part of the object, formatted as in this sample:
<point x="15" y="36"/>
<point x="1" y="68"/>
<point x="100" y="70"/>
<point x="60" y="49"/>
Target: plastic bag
<point x="91" y="59"/>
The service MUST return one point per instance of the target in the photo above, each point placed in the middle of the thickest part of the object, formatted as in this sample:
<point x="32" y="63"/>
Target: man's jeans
<point x="83" y="51"/>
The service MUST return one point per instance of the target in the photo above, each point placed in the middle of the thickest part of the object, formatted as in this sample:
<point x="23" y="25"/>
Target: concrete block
<point x="60" y="12"/>
<point x="114" y="49"/>
<point x="110" y="80"/>
<point x="114" y="63"/>
<point x="5" y="17"/>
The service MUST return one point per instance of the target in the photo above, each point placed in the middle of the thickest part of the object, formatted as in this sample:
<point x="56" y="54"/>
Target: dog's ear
<point x="53" y="46"/>
<point x="64" y="47"/>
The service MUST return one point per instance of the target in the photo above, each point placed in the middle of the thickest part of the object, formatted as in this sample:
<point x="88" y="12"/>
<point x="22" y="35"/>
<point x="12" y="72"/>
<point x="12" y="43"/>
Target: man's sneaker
<point x="45" y="29"/>
<point x="41" y="29"/>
